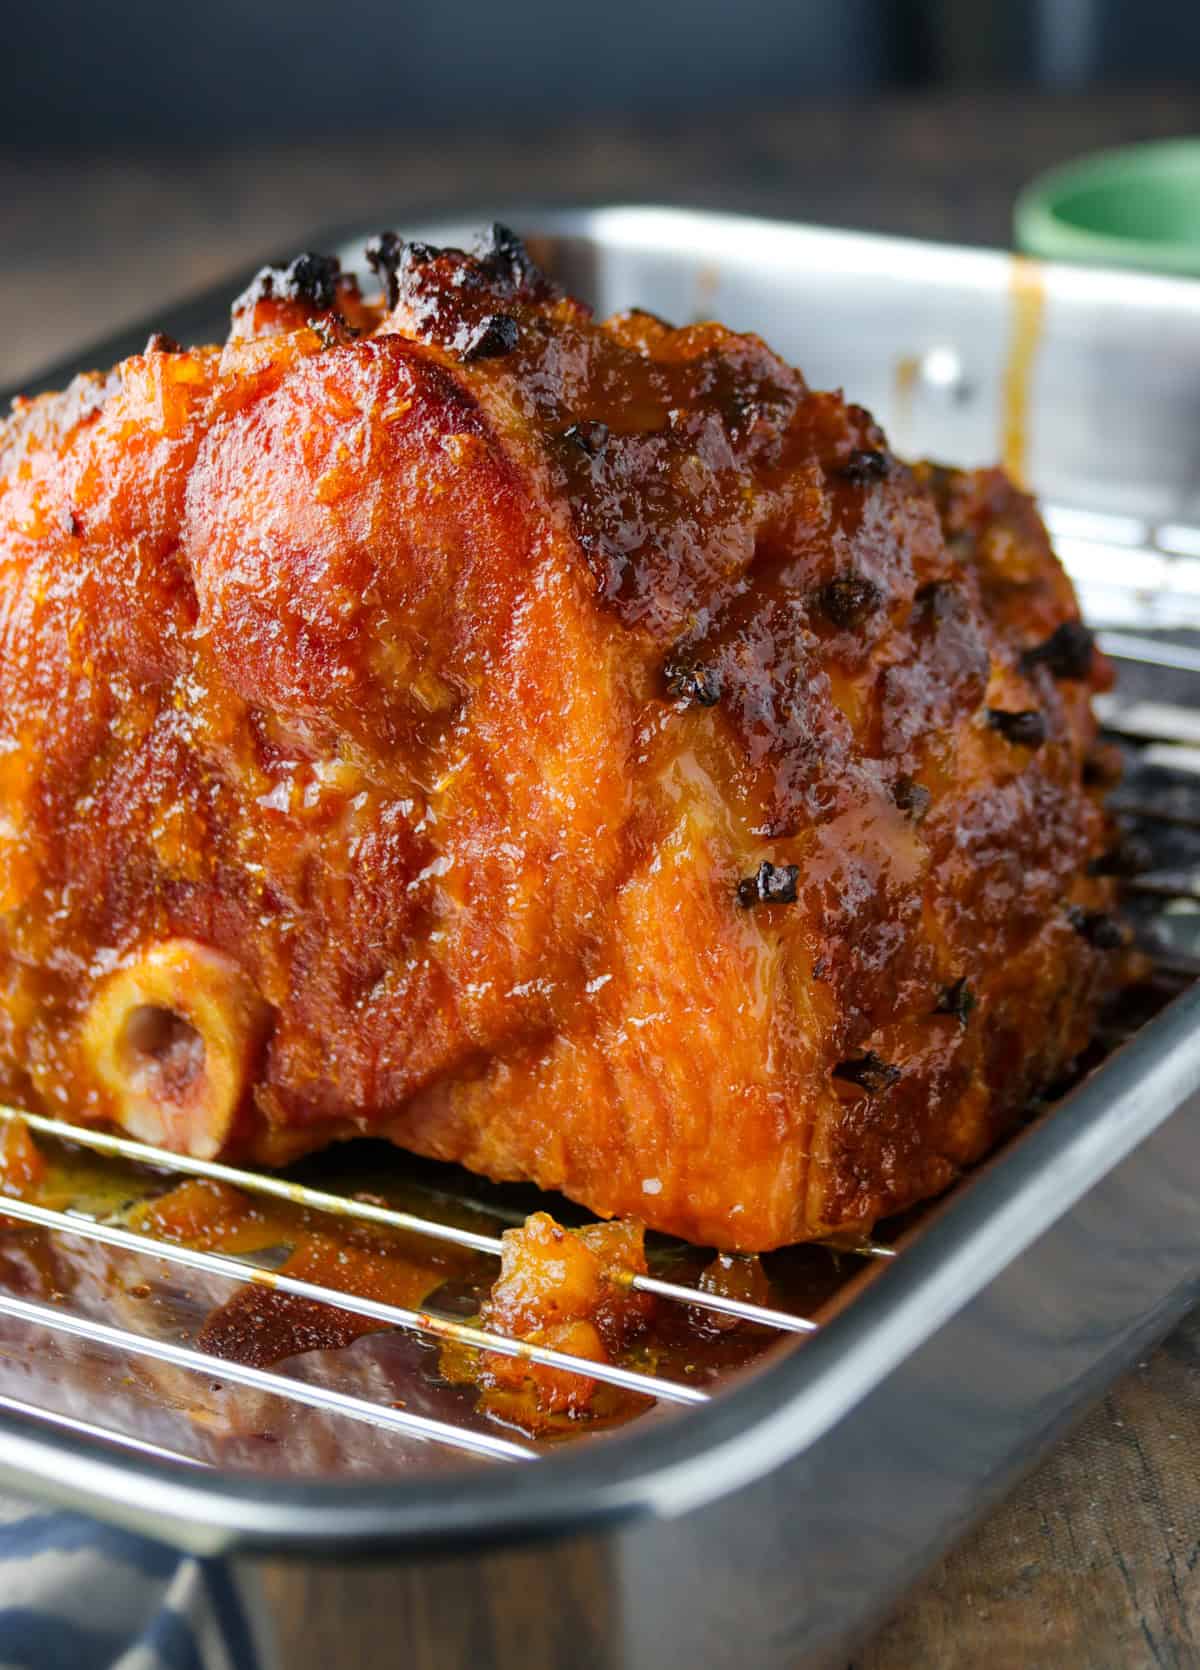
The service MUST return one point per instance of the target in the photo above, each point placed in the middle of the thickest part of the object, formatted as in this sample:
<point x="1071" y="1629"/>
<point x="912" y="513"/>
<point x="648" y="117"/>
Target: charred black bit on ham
<point x="310" y="278"/>
<point x="848" y="599"/>
<point x="505" y="255"/>
<point x="1024" y="728"/>
<point x="957" y="1000"/>
<point x="865" y="465"/>
<point x="911" y="797"/>
<point x="771" y="884"/>
<point x="383" y="253"/>
<point x="688" y="681"/>
<point x="589" y="435"/>
<point x="870" y="1072"/>
<point x="1067" y="652"/>
<point x="492" y="339"/>
<point x="1097" y="927"/>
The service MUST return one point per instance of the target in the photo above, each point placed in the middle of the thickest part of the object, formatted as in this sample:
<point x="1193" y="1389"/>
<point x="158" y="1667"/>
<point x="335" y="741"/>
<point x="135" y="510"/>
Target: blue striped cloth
<point x="77" y="1595"/>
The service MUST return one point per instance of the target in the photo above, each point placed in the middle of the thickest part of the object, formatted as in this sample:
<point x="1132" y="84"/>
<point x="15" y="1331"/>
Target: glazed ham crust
<point x="578" y="750"/>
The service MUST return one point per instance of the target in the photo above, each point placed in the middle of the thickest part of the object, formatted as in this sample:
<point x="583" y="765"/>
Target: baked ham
<point x="577" y="750"/>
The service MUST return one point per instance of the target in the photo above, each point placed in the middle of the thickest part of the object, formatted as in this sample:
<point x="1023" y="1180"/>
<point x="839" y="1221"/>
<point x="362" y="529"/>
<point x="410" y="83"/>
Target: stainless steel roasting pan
<point x="774" y="1525"/>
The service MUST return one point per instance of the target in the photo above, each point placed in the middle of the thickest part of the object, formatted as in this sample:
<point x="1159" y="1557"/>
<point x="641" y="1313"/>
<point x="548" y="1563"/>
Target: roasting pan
<point x="774" y="1524"/>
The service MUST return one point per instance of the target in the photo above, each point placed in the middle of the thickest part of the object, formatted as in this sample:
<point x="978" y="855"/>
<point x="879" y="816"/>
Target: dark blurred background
<point x="146" y="150"/>
<point x="82" y="73"/>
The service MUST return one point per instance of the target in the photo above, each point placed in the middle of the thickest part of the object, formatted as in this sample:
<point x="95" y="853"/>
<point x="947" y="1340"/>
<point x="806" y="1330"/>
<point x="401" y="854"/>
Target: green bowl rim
<point x="1039" y="230"/>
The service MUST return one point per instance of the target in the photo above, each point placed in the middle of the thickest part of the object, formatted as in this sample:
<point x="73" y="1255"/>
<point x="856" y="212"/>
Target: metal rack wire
<point x="424" y="1322"/>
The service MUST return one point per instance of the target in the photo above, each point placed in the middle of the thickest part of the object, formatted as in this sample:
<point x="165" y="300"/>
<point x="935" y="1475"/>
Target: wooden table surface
<point x="1095" y="1562"/>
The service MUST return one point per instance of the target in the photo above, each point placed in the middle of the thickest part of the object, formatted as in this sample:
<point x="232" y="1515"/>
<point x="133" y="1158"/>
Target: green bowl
<point x="1138" y="207"/>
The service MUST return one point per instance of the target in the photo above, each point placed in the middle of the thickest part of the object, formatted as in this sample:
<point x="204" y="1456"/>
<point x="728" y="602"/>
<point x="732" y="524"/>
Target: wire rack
<point x="1160" y="795"/>
<point x="1134" y="577"/>
<point x="428" y="1323"/>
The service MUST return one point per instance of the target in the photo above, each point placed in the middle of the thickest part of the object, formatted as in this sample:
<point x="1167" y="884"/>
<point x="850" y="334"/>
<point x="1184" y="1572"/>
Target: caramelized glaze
<point x="449" y="663"/>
